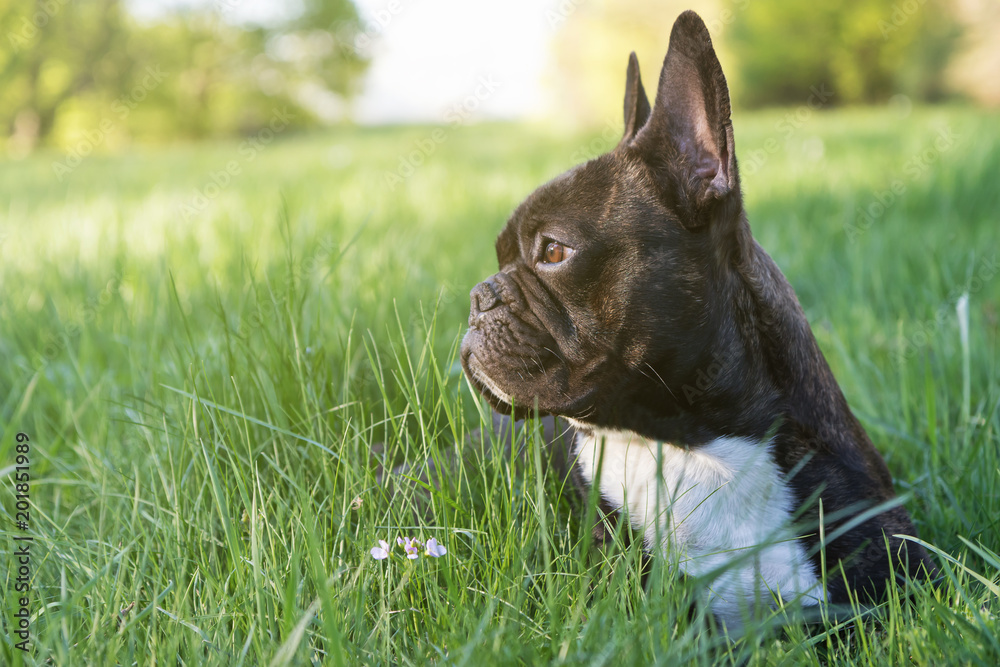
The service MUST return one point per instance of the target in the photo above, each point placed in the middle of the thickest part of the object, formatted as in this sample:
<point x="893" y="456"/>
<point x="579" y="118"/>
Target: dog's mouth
<point x="522" y="374"/>
<point x="580" y="408"/>
<point x="486" y="385"/>
<point x="498" y="399"/>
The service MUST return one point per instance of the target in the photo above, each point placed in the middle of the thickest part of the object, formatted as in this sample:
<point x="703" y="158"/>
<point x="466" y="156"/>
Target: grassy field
<point x="204" y="343"/>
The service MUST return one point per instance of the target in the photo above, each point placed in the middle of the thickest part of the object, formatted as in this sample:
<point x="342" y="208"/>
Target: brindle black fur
<point x="668" y="282"/>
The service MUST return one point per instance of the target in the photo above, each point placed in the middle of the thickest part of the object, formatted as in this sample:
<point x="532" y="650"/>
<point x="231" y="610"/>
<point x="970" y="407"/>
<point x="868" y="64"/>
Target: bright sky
<point x="433" y="59"/>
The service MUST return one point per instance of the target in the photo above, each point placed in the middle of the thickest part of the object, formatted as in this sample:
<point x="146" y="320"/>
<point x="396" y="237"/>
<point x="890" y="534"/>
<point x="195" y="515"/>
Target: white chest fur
<point x="725" y="503"/>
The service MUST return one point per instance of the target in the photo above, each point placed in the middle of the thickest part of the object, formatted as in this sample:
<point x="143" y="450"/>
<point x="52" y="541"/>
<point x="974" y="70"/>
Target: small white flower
<point x="410" y="546"/>
<point x="381" y="552"/>
<point x="434" y="549"/>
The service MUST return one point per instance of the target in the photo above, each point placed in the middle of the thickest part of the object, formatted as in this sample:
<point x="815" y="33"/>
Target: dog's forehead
<point x="579" y="198"/>
<point x="585" y="188"/>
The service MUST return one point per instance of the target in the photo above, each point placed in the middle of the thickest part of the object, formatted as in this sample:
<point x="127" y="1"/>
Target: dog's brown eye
<point x="555" y="252"/>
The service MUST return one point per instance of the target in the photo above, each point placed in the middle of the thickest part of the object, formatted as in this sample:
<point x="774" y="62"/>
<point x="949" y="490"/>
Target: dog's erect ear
<point x="689" y="133"/>
<point x="636" y="102"/>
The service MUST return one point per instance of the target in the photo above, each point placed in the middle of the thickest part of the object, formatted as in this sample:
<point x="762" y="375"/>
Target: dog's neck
<point x="774" y="325"/>
<point x="777" y="334"/>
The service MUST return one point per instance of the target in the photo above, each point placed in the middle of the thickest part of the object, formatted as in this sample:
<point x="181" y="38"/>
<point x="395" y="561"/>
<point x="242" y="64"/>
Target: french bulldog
<point x="633" y="301"/>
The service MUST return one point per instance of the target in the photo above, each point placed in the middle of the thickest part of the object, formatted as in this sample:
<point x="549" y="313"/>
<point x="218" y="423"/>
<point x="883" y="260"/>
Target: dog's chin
<point x="516" y="410"/>
<point x="498" y="399"/>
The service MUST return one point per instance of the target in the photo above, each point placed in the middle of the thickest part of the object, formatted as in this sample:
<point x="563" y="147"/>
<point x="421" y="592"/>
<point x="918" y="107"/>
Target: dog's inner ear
<point x="689" y="132"/>
<point x="636" y="102"/>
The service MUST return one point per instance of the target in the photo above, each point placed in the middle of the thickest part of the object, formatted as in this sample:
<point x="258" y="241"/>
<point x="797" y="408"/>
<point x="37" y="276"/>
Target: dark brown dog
<point x="633" y="301"/>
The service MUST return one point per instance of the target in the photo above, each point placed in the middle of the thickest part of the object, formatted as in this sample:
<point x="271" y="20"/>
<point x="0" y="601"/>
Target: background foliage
<point x="89" y="75"/>
<point x="89" y="72"/>
<point x="777" y="53"/>
<point x="866" y="50"/>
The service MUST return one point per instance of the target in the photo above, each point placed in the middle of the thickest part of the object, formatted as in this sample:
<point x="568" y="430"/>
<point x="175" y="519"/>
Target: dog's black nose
<point x="484" y="297"/>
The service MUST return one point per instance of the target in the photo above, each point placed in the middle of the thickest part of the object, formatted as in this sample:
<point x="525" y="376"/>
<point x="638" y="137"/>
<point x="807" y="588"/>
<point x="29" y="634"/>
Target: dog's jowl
<point x="633" y="301"/>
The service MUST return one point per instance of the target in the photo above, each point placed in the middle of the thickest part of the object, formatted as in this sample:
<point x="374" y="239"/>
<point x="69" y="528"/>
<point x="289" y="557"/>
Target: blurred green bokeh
<point x="91" y="75"/>
<point x="88" y="74"/>
<point x="777" y="53"/>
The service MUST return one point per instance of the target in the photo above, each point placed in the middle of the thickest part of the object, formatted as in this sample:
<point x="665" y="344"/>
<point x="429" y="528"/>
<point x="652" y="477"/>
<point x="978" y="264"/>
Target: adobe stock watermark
<point x="29" y="26"/>
<point x="350" y="40"/>
<point x="726" y="17"/>
<point x="557" y="16"/>
<point x="447" y="294"/>
<point x="55" y="342"/>
<point x="704" y="378"/>
<point x="901" y="14"/>
<point x="415" y="327"/>
<point x="268" y="309"/>
<point x="913" y="168"/>
<point x="786" y="127"/>
<point x="425" y="147"/>
<point x="924" y="332"/>
<point x="248" y="151"/>
<point x="750" y="162"/>
<point x="599" y="145"/>
<point x="121" y="106"/>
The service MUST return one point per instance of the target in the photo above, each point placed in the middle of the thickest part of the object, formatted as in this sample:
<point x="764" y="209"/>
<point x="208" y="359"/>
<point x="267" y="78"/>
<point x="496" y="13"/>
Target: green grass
<point x="202" y="392"/>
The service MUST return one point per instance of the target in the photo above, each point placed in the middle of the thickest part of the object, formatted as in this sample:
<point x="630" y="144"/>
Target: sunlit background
<point x="115" y="72"/>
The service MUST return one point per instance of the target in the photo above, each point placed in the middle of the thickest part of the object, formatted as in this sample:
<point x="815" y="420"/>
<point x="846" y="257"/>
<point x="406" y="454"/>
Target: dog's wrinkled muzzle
<point x="484" y="297"/>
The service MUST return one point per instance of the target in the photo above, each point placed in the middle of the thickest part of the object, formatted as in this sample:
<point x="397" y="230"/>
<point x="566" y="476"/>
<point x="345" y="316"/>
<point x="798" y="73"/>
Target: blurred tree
<point x="865" y="50"/>
<point x="774" y="52"/>
<point x="973" y="71"/>
<point x="55" y="51"/>
<point x="592" y="41"/>
<point x="87" y="74"/>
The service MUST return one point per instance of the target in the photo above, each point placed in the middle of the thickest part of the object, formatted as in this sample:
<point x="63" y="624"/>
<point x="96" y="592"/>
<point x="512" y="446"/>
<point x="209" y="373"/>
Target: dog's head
<point x="610" y="274"/>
